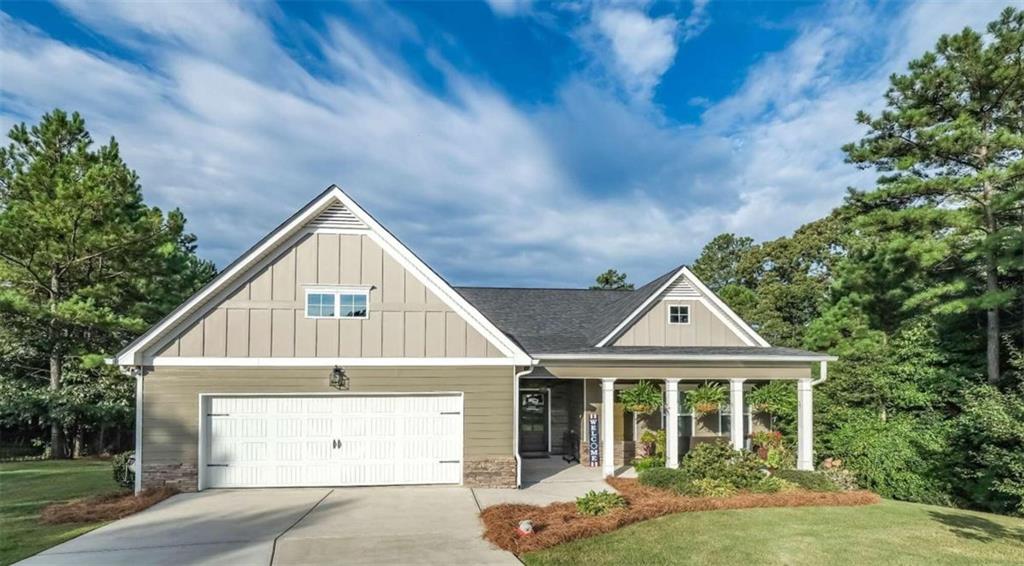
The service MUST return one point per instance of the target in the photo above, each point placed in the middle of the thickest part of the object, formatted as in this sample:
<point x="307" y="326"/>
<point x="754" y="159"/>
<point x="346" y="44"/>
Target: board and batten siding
<point x="704" y="329"/>
<point x="171" y="401"/>
<point x="265" y="316"/>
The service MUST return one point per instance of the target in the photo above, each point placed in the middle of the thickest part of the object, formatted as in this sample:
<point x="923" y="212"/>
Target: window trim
<point x="337" y="291"/>
<point x="669" y="314"/>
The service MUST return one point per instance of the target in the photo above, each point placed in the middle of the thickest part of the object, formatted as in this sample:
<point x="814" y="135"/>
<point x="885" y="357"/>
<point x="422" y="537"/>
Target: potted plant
<point x="774" y="398"/>
<point x="643" y="398"/>
<point x="706" y="398"/>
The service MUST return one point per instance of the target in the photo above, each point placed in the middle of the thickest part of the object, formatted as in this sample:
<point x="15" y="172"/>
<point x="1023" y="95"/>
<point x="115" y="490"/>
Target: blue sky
<point x="507" y="143"/>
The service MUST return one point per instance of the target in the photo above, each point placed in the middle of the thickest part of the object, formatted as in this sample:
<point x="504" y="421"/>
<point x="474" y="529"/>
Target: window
<point x="337" y="303"/>
<point x="679" y="314"/>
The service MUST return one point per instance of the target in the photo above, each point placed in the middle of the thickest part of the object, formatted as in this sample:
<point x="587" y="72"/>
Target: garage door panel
<point x="333" y="440"/>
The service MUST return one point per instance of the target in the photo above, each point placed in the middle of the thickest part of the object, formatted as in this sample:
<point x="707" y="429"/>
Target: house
<point x="330" y="354"/>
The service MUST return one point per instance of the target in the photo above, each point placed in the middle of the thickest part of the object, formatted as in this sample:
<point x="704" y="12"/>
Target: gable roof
<point x="323" y="212"/>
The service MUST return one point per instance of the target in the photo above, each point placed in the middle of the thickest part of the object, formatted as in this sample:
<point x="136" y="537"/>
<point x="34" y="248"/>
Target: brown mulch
<point x="104" y="507"/>
<point x="559" y="522"/>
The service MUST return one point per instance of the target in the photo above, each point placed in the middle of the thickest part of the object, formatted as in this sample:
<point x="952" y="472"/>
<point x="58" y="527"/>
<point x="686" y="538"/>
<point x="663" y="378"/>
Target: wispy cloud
<point x="223" y="121"/>
<point x="697" y="21"/>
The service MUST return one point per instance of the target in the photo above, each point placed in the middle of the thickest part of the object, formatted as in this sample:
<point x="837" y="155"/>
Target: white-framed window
<point x="341" y="302"/>
<point x="679" y="314"/>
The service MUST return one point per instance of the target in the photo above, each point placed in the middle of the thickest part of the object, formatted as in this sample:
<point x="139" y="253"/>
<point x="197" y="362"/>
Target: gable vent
<point x="337" y="216"/>
<point x="682" y="289"/>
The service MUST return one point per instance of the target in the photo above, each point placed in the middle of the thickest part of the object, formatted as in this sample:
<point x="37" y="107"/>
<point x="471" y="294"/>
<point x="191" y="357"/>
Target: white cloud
<point x="510" y="8"/>
<point x="697" y="21"/>
<point x="485" y="191"/>
<point x="641" y="48"/>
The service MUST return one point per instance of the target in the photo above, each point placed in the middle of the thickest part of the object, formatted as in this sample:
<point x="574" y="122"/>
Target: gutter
<point x="823" y="373"/>
<point x="687" y="358"/>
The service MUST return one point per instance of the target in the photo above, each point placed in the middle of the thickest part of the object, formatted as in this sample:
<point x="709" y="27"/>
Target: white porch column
<point x="608" y="426"/>
<point x="736" y="413"/>
<point x="672" y="422"/>
<point x="804" y="425"/>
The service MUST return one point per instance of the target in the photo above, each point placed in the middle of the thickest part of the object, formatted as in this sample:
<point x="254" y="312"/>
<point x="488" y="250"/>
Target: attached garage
<point x="348" y="439"/>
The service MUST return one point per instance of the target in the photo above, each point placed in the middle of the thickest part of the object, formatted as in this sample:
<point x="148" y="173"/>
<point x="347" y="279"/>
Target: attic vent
<point x="337" y="216"/>
<point x="682" y="289"/>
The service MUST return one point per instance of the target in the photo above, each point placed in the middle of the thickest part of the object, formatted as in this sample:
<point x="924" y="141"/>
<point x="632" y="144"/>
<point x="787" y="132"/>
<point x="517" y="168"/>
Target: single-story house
<point x="329" y="354"/>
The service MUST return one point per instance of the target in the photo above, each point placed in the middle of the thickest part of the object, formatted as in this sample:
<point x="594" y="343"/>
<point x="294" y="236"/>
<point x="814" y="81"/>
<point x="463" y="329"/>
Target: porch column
<point x="608" y="426"/>
<point x="804" y="425"/>
<point x="736" y="413"/>
<point x="672" y="422"/>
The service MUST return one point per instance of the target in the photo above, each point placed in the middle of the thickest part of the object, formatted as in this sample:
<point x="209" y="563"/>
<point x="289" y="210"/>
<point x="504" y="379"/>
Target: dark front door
<point x="533" y="421"/>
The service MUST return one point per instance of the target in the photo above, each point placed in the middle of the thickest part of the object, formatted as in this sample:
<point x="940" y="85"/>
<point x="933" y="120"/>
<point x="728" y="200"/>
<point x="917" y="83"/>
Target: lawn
<point x="888" y="533"/>
<point x="27" y="487"/>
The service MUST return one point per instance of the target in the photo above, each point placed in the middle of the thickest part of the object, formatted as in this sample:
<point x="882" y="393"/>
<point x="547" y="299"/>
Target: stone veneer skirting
<point x="182" y="476"/>
<point x="493" y="472"/>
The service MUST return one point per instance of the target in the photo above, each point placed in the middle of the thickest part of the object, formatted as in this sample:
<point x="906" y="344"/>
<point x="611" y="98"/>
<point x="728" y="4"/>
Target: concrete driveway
<point x="386" y="525"/>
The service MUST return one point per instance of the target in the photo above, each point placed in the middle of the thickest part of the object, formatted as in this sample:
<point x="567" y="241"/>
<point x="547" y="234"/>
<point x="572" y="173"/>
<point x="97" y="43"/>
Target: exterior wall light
<point x="338" y="378"/>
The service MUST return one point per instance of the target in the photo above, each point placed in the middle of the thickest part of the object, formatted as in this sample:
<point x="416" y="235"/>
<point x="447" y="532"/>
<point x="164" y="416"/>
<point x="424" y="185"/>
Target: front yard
<point x="887" y="533"/>
<point x="27" y="487"/>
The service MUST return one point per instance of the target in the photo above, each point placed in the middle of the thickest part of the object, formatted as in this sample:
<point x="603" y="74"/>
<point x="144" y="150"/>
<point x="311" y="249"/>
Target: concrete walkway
<point x="388" y="525"/>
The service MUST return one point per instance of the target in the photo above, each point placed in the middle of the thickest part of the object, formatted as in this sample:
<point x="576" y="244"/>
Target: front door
<point x="533" y="421"/>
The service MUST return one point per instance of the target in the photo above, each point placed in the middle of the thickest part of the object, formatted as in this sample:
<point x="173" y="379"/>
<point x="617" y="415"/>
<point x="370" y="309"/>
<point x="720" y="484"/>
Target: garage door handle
<point x="335" y="444"/>
<point x="216" y="465"/>
<point x="448" y="461"/>
<point x="451" y="413"/>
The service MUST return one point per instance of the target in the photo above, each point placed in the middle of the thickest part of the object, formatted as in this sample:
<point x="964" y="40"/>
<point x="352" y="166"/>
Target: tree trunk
<point x="79" y="445"/>
<point x="992" y="315"/>
<point x="57" y="448"/>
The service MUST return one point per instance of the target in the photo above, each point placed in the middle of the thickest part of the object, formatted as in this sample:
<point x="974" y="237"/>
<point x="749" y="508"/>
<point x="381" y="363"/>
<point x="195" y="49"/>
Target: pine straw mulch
<point x="104" y="507"/>
<point x="559" y="522"/>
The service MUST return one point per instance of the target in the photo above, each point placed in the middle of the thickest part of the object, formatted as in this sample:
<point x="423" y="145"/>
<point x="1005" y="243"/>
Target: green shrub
<point x="772" y="484"/>
<point x="648" y="463"/>
<point x="122" y="464"/>
<point x="662" y="478"/>
<point x="718" y="461"/>
<point x="599" y="502"/>
<point x="844" y="479"/>
<point x="812" y="481"/>
<point x="708" y="487"/>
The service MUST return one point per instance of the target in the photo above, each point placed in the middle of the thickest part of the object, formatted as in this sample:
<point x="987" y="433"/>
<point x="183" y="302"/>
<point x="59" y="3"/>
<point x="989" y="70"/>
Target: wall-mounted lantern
<point x="338" y="378"/>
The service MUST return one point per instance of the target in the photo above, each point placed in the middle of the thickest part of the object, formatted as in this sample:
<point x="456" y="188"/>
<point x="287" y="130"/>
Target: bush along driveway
<point x="27" y="487"/>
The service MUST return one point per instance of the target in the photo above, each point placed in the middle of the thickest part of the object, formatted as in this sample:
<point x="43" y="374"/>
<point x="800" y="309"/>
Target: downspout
<point x="515" y="420"/>
<point x="139" y="372"/>
<point x="823" y="374"/>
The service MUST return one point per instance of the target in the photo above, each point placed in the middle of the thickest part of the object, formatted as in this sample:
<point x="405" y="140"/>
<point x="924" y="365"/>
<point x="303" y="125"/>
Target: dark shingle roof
<point x="549" y="320"/>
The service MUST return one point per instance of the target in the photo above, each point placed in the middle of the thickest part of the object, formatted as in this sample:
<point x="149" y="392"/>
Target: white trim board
<point x="716" y="306"/>
<point x="598" y="357"/>
<point x="163" y="361"/>
<point x="204" y="300"/>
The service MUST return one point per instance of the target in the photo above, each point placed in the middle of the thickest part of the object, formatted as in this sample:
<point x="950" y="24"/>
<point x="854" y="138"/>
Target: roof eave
<point x="541" y="358"/>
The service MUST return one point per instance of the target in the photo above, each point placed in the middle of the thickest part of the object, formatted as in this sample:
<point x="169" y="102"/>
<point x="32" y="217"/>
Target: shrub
<point x="717" y="460"/>
<point x="123" y="463"/>
<point x="812" y="481"/>
<point x="648" y="463"/>
<point x="599" y="502"/>
<point x="772" y="484"/>
<point x="708" y="487"/>
<point x="843" y="479"/>
<point x="662" y="478"/>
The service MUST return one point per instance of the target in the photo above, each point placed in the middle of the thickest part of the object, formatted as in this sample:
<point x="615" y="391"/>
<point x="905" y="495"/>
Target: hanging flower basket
<point x="706" y="399"/>
<point x="643" y="398"/>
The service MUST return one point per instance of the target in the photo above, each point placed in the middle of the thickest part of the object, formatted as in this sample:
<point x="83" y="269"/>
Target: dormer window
<point x="679" y="314"/>
<point x="337" y="303"/>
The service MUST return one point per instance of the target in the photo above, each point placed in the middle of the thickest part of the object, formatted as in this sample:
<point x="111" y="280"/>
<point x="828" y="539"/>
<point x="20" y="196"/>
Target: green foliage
<point x="643" y="398"/>
<point x="806" y="479"/>
<point x="648" y="463"/>
<point x="773" y="398"/>
<point x="718" y="265"/>
<point x="990" y="441"/>
<point x="706" y="398"/>
<point x="612" y="280"/>
<point x="599" y="502"/>
<point x="655" y="458"/>
<point x="717" y="460"/>
<point x="773" y="484"/>
<point x="84" y="266"/>
<point x="708" y="487"/>
<point x="662" y="478"/>
<point x="122" y="464"/>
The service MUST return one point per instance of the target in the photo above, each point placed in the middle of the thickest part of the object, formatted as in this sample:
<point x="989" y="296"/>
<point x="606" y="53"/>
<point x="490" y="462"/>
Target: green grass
<point x="27" y="487"/>
<point x="888" y="533"/>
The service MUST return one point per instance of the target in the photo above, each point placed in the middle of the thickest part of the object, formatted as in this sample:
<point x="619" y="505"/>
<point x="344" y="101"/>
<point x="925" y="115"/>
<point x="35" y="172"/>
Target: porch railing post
<point x="736" y="413"/>
<point x="608" y="426"/>
<point x="671" y="422"/>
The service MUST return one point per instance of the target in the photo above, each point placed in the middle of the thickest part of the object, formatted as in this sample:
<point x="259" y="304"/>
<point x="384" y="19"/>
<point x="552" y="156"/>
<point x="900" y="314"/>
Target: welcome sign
<point x="593" y="441"/>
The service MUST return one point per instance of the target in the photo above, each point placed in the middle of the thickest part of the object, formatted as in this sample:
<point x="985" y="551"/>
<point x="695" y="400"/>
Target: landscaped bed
<point x="561" y="522"/>
<point x="108" y="507"/>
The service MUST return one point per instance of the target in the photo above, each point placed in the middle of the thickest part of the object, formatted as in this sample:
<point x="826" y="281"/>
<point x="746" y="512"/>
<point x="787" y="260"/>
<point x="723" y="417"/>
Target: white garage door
<point x="332" y="440"/>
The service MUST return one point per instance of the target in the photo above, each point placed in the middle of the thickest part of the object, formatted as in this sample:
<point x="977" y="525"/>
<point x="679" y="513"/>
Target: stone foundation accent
<point x="182" y="476"/>
<point x="492" y="472"/>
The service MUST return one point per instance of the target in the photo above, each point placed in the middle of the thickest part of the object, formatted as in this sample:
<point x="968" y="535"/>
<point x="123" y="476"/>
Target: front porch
<point x="573" y="426"/>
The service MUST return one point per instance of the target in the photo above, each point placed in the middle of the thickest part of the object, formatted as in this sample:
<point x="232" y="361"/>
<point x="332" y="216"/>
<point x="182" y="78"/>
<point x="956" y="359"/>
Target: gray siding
<point x="265" y="315"/>
<point x="171" y="401"/>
